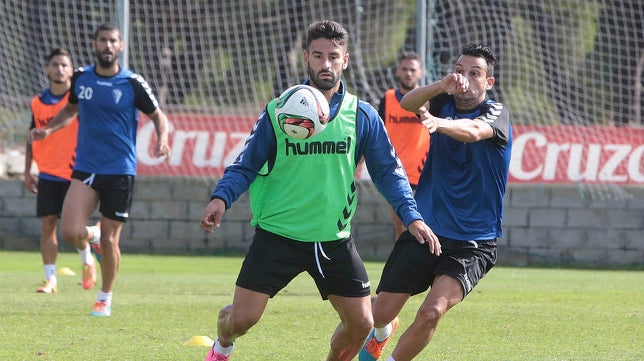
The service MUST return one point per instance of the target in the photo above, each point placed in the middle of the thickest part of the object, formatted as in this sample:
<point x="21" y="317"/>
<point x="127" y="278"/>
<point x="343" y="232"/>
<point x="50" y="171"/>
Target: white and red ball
<point x="302" y="111"/>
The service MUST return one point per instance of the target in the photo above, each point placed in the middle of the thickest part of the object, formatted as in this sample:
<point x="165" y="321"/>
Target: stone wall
<point x="593" y="225"/>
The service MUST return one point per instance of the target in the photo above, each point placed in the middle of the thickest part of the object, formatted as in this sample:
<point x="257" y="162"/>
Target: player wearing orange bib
<point x="408" y="136"/>
<point x="55" y="160"/>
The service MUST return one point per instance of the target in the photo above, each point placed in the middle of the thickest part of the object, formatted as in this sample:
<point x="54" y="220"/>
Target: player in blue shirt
<point x="460" y="196"/>
<point x="107" y="99"/>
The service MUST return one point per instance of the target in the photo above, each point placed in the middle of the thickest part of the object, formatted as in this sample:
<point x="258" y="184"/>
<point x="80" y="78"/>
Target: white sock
<point x="104" y="297"/>
<point x="382" y="333"/>
<point x="50" y="272"/>
<point x="390" y="359"/>
<point x="86" y="255"/>
<point x="95" y="231"/>
<point x="223" y="350"/>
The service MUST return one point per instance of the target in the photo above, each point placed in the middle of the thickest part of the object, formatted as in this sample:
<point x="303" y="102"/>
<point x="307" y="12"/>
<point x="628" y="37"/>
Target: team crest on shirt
<point x="116" y="94"/>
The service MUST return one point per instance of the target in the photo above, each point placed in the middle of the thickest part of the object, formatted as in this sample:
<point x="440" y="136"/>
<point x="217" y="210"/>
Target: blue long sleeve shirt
<point x="372" y="144"/>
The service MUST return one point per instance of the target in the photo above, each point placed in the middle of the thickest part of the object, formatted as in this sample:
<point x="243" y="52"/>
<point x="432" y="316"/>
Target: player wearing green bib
<point x="303" y="197"/>
<point x="282" y="199"/>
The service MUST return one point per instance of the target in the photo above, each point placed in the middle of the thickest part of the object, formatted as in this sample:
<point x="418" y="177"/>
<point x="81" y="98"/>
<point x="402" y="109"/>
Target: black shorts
<point x="51" y="195"/>
<point x="411" y="268"/>
<point x="272" y="261"/>
<point x="114" y="193"/>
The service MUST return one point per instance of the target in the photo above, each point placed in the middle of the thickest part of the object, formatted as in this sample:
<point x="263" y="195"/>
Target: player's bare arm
<point x="452" y="83"/>
<point x="464" y="130"/>
<point x="61" y="120"/>
<point x="424" y="234"/>
<point x="212" y="214"/>
<point x="31" y="184"/>
<point x="160" y="121"/>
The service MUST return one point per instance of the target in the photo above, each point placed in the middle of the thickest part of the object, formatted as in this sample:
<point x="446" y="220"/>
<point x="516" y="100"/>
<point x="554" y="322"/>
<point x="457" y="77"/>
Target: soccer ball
<point x="302" y="111"/>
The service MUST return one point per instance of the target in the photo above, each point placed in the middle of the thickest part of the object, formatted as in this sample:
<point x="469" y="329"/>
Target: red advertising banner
<point x="570" y="154"/>
<point x="203" y="145"/>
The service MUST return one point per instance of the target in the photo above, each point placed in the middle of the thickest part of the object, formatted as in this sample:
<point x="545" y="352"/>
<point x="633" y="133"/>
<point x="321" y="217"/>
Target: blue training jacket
<point x="372" y="144"/>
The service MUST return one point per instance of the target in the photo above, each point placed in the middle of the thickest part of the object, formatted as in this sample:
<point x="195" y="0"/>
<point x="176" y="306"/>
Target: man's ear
<point x="489" y="83"/>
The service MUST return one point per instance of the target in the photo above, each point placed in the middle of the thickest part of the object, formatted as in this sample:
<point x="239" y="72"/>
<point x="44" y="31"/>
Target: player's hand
<point x="429" y="121"/>
<point x="30" y="183"/>
<point x="161" y="149"/>
<point x="455" y="83"/>
<point x="423" y="235"/>
<point x="212" y="214"/>
<point x="38" y="134"/>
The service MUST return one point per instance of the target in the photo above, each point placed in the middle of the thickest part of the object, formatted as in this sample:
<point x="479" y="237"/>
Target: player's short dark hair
<point x="106" y="27"/>
<point x="484" y="52"/>
<point x="408" y="55"/>
<point x="327" y="29"/>
<point x="58" y="52"/>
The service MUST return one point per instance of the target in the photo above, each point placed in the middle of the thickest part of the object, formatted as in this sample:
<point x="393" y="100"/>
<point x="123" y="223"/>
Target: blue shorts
<point x="272" y="261"/>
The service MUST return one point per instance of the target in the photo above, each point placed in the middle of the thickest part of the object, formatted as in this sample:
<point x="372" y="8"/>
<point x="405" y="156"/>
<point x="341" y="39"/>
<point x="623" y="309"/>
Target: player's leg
<point x="445" y="293"/>
<point x="49" y="252"/>
<point x="341" y="277"/>
<point x="386" y="306"/>
<point x="237" y="318"/>
<point x="115" y="198"/>
<point x="355" y="323"/>
<point x="80" y="202"/>
<point x="458" y="270"/>
<point x="385" y="309"/>
<point x="48" y="239"/>
<point x="111" y="252"/>
<point x="264" y="272"/>
<point x="110" y="262"/>
<point x="49" y="204"/>
<point x="408" y="271"/>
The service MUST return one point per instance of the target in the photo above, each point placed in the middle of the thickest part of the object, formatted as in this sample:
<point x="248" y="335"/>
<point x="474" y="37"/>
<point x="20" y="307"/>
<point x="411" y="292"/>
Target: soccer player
<point x="107" y="99"/>
<point x="55" y="160"/>
<point x="460" y="194"/>
<point x="408" y="135"/>
<point x="303" y="203"/>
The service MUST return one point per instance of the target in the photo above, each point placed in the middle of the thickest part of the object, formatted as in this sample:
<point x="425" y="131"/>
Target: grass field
<point x="162" y="301"/>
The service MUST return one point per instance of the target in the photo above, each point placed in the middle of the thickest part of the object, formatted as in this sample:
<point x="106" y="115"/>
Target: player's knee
<point x="367" y="324"/>
<point x="359" y="328"/>
<point x="109" y="243"/>
<point x="72" y="235"/>
<point x="429" y="315"/>
<point x="239" y="322"/>
<point x="382" y="316"/>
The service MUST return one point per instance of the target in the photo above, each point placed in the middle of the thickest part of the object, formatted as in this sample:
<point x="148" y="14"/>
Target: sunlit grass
<point x="162" y="301"/>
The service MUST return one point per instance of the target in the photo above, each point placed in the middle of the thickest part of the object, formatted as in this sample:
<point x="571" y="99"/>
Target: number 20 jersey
<point x="108" y="110"/>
